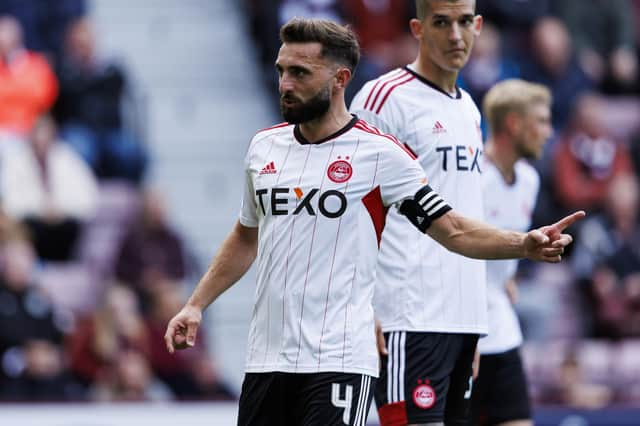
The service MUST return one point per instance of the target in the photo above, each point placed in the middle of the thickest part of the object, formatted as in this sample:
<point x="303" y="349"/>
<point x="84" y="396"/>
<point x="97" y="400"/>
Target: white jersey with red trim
<point x="320" y="209"/>
<point x="507" y="206"/>
<point x="421" y="285"/>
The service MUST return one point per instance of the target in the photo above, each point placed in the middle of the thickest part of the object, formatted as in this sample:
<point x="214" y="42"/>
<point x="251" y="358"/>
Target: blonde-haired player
<point x="519" y="118"/>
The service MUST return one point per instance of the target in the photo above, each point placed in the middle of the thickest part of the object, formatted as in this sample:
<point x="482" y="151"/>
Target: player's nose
<point x="455" y="33"/>
<point x="285" y="84"/>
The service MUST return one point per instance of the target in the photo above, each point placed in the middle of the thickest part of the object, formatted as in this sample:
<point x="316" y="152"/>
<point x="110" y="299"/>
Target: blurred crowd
<point x="581" y="318"/>
<point x="91" y="269"/>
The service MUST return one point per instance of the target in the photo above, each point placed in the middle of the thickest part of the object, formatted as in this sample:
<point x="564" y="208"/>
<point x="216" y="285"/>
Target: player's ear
<point x="513" y="123"/>
<point x="343" y="76"/>
<point x="477" y="24"/>
<point x="415" y="25"/>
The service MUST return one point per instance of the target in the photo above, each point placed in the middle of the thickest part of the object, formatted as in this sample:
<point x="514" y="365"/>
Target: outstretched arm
<point x="478" y="240"/>
<point x="432" y="215"/>
<point x="237" y="253"/>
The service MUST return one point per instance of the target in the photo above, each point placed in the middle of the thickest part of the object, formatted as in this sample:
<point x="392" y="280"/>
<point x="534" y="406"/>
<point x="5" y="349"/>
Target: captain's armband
<point x="425" y="207"/>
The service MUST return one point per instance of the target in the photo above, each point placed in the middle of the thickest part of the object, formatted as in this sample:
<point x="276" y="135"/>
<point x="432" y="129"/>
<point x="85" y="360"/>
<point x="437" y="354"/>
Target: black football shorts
<point x="500" y="392"/>
<point x="313" y="399"/>
<point x="426" y="378"/>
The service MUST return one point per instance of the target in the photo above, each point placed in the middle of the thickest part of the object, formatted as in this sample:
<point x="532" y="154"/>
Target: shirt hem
<point x="493" y="350"/>
<point x="481" y="331"/>
<point x="310" y="369"/>
<point x="249" y="223"/>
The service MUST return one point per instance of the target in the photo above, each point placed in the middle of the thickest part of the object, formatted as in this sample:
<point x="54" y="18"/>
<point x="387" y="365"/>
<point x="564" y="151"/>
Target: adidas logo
<point x="438" y="128"/>
<point x="268" y="169"/>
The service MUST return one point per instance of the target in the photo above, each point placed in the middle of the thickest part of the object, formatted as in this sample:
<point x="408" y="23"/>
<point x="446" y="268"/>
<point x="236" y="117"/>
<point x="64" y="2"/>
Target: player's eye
<point x="297" y="72"/>
<point x="467" y="21"/>
<point x="440" y="23"/>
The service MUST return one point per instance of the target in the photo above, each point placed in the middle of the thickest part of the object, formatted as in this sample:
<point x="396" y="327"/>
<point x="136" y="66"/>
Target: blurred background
<point x="123" y="125"/>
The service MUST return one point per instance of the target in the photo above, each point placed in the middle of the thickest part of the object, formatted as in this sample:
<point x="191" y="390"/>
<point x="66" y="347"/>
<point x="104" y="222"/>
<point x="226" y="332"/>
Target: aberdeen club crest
<point x="424" y="396"/>
<point x="340" y="170"/>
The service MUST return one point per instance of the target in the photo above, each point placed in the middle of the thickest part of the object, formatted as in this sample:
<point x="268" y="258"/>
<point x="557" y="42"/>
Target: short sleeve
<point x="249" y="208"/>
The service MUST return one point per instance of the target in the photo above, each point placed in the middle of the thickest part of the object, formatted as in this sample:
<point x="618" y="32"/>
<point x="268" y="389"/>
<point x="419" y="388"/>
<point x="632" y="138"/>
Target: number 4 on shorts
<point x="342" y="403"/>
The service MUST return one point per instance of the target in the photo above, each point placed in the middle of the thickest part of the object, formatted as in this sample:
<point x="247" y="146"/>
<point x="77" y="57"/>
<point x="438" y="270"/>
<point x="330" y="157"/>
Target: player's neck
<point x="503" y="158"/>
<point x="444" y="79"/>
<point x="335" y="119"/>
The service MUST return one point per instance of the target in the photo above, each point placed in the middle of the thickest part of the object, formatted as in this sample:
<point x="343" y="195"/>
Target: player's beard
<point x="301" y="112"/>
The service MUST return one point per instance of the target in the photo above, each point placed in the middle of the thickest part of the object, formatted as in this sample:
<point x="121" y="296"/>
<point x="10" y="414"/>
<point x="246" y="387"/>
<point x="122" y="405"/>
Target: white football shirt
<point x="320" y="209"/>
<point x="421" y="285"/>
<point x="507" y="206"/>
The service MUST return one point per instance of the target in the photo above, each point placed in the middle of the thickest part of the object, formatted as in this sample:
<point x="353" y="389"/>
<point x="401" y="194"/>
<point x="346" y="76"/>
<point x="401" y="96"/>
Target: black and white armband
<point x="425" y="207"/>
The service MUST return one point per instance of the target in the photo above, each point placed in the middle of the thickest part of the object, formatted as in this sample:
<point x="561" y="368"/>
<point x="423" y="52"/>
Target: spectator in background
<point x="572" y="389"/>
<point x="263" y="26"/>
<point x="263" y="23"/>
<point x="130" y="379"/>
<point x="44" y="22"/>
<point x="604" y="38"/>
<point x="151" y="252"/>
<point x="116" y="326"/>
<point x="25" y="312"/>
<point x="50" y="189"/>
<point x="606" y="312"/>
<point x="514" y="18"/>
<point x="44" y="377"/>
<point x="28" y="86"/>
<point x="587" y="158"/>
<point x="553" y="64"/>
<point x="606" y="261"/>
<point x="92" y="90"/>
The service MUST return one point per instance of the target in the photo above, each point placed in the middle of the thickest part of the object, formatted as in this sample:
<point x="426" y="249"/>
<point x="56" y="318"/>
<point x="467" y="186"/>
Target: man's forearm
<point x="476" y="239"/>
<point x="237" y="253"/>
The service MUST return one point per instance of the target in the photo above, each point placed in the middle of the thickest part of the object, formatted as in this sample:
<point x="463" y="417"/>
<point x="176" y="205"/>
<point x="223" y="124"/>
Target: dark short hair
<point x="339" y="42"/>
<point x="423" y="7"/>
